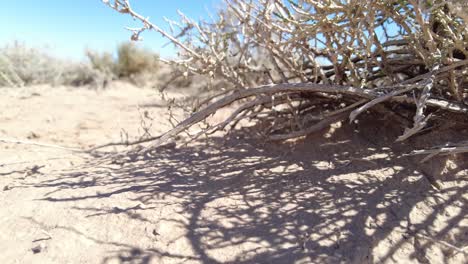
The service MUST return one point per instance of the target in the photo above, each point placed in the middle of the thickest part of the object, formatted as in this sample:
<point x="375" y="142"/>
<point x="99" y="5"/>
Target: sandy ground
<point x="342" y="197"/>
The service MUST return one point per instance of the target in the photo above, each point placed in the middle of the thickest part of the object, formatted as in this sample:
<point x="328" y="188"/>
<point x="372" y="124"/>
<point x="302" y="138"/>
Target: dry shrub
<point x="327" y="60"/>
<point x="82" y="74"/>
<point x="132" y="61"/>
<point x="21" y="65"/>
<point x="172" y="77"/>
<point x="103" y="62"/>
<point x="460" y="7"/>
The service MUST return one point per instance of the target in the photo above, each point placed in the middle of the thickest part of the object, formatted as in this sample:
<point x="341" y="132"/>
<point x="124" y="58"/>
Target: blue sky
<point x="67" y="27"/>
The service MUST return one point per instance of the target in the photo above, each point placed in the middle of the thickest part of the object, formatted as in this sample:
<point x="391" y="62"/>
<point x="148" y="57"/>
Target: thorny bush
<point x="300" y="65"/>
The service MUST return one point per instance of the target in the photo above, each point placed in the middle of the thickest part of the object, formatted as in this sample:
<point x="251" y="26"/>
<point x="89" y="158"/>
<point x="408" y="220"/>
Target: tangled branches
<point x="299" y="65"/>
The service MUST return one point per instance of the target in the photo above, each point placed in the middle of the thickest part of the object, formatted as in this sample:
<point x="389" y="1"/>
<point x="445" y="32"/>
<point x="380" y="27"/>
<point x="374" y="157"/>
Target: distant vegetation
<point x="21" y="65"/>
<point x="131" y="62"/>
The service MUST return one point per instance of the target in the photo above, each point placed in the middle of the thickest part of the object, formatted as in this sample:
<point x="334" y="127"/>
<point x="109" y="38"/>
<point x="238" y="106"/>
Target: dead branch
<point x="381" y="99"/>
<point x="420" y="120"/>
<point x="312" y="129"/>
<point x="448" y="149"/>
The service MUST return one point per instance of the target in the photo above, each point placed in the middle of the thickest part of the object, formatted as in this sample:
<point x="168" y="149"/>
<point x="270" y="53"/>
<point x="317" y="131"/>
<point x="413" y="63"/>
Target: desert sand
<point x="343" y="196"/>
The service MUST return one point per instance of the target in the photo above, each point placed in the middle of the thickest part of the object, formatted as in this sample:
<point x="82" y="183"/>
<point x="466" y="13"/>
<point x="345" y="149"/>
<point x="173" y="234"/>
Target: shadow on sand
<point x="344" y="198"/>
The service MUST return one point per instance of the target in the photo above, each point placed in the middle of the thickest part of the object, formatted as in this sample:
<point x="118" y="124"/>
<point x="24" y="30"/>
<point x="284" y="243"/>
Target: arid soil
<point x="344" y="196"/>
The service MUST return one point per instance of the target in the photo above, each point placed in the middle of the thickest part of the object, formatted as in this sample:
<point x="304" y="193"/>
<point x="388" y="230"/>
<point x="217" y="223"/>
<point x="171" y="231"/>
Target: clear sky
<point x="67" y="27"/>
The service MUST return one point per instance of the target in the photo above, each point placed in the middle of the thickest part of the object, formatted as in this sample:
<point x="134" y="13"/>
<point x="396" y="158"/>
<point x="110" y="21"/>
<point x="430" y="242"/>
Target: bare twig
<point x="420" y="120"/>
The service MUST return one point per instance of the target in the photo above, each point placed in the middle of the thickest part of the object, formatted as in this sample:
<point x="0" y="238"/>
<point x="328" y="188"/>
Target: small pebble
<point x="37" y="249"/>
<point x="155" y="233"/>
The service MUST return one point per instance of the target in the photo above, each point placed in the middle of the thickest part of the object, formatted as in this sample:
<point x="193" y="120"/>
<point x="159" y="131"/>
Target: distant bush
<point x="103" y="62"/>
<point x="132" y="60"/>
<point x="132" y="63"/>
<point x="80" y="74"/>
<point x="21" y="65"/>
